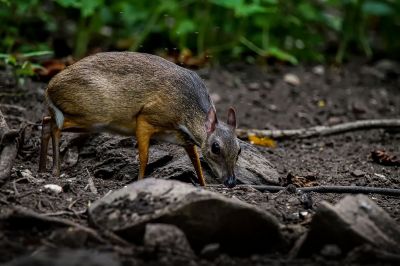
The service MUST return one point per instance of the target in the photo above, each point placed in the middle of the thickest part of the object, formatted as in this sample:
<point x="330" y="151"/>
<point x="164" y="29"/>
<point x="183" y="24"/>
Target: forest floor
<point x="322" y="95"/>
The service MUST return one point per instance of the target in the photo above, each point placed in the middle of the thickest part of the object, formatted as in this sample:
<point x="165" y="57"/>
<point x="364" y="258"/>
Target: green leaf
<point x="377" y="8"/>
<point x="69" y="3"/>
<point x="185" y="26"/>
<point x="37" y="53"/>
<point x="88" y="7"/>
<point x="282" y="55"/>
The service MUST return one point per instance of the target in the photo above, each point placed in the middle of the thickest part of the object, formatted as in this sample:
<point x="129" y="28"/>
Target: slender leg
<point x="46" y="135"/>
<point x="55" y="137"/>
<point x="194" y="157"/>
<point x="144" y="131"/>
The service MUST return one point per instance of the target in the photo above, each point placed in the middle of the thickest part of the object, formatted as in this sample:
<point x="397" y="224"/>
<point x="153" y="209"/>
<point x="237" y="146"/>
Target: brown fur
<point x="132" y="94"/>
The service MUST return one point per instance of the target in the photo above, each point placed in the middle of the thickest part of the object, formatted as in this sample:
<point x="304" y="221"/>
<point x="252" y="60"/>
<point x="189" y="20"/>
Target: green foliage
<point x="288" y="30"/>
<point x="21" y="64"/>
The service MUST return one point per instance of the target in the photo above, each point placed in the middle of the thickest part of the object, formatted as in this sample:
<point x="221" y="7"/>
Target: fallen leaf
<point x="300" y="181"/>
<point x="262" y="141"/>
<point x="382" y="157"/>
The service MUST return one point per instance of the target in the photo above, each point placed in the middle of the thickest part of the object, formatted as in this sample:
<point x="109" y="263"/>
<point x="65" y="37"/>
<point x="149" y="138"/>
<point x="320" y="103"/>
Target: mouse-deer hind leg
<point x="55" y="137"/>
<point x="45" y="138"/>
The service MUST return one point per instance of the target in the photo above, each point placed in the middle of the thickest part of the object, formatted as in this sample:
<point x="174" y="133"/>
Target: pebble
<point x="254" y="86"/>
<point x="53" y="188"/>
<point x="292" y="79"/>
<point x="358" y="173"/>
<point x="318" y="70"/>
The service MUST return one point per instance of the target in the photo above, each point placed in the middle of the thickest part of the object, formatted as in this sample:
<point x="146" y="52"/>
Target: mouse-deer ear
<point x="232" y="117"/>
<point x="211" y="121"/>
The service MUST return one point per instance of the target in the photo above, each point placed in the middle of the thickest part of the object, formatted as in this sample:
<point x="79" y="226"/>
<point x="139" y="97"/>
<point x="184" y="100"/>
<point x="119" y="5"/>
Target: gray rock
<point x="171" y="162"/>
<point x="358" y="173"/>
<point x="66" y="258"/>
<point x="252" y="167"/>
<point x="205" y="217"/>
<point x="352" y="222"/>
<point x="167" y="239"/>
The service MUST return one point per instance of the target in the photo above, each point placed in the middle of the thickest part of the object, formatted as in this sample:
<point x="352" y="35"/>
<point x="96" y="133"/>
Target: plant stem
<point x="147" y="29"/>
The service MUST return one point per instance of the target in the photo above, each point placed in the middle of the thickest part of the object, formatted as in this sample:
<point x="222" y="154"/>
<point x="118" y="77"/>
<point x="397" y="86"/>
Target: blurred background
<point x="197" y="32"/>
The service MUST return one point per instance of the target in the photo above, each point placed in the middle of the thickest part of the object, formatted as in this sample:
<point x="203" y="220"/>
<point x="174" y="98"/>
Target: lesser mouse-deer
<point x="142" y="95"/>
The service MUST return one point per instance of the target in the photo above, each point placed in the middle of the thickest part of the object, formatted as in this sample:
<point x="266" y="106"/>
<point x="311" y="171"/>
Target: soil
<point x="263" y="100"/>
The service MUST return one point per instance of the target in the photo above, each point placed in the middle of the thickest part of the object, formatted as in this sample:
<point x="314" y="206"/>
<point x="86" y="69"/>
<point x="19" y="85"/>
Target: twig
<point x="69" y="212"/>
<point x="335" y="189"/>
<point x="24" y="212"/>
<point x="320" y="130"/>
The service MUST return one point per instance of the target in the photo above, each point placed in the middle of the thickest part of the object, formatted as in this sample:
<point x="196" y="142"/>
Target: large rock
<point x="167" y="239"/>
<point x="173" y="163"/>
<point x="205" y="217"/>
<point x="352" y="222"/>
<point x="118" y="157"/>
<point x="66" y="258"/>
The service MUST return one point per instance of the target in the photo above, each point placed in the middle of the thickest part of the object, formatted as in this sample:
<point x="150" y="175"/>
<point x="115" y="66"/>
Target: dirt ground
<point x="324" y="96"/>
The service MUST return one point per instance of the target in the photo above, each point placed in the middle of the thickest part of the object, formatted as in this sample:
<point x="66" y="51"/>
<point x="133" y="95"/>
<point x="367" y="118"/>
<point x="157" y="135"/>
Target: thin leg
<point x="45" y="138"/>
<point x="55" y="137"/>
<point x="144" y="131"/>
<point x="194" y="157"/>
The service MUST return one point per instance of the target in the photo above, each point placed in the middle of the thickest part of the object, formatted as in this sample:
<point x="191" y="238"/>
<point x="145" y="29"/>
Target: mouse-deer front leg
<point x="194" y="157"/>
<point x="144" y="131"/>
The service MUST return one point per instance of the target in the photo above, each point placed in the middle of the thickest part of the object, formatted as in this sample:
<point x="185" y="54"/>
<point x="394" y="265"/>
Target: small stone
<point x="380" y="176"/>
<point x="267" y="84"/>
<point x="210" y="251"/>
<point x="318" y="70"/>
<point x="331" y="251"/>
<point x="254" y="86"/>
<point x="358" y="173"/>
<point x="292" y="79"/>
<point x="272" y="107"/>
<point x="56" y="189"/>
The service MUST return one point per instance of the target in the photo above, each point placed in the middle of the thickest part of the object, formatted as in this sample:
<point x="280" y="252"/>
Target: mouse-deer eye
<point x="215" y="148"/>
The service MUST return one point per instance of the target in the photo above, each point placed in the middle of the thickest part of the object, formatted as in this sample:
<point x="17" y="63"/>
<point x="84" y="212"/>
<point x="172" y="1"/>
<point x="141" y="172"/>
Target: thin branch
<point x="320" y="130"/>
<point x="27" y="213"/>
<point x="335" y="189"/>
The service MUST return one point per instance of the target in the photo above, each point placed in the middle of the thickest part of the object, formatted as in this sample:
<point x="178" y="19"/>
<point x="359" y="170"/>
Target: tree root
<point x="320" y="130"/>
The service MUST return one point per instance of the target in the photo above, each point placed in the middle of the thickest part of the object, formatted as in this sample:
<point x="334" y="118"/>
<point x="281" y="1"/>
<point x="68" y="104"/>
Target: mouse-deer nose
<point x="230" y="182"/>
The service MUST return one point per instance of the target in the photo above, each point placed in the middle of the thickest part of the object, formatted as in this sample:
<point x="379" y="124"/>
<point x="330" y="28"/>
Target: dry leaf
<point x="382" y="157"/>
<point x="262" y="141"/>
<point x="300" y="181"/>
